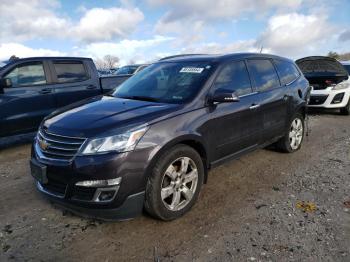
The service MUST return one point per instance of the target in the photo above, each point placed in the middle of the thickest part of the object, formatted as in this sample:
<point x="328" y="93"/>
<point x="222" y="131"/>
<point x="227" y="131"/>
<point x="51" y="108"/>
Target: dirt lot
<point x="248" y="211"/>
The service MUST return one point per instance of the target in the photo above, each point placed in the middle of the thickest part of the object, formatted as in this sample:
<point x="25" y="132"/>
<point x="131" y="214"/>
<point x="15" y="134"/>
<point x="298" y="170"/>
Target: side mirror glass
<point x="224" y="96"/>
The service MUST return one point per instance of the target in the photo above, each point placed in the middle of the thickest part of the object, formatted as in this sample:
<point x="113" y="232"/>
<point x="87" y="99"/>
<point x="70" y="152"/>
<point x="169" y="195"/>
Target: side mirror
<point x="5" y="83"/>
<point x="224" y="96"/>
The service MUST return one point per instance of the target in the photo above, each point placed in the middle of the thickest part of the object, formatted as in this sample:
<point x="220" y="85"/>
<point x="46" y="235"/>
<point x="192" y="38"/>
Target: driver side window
<point x="234" y="77"/>
<point x="27" y="75"/>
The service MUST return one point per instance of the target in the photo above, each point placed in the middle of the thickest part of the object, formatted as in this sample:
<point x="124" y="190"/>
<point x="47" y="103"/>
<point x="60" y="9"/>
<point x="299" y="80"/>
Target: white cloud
<point x="193" y="20"/>
<point x="345" y="36"/>
<point x="100" y="24"/>
<point x="290" y="35"/>
<point x="293" y="34"/>
<point x="219" y="9"/>
<point x="9" y="49"/>
<point x="23" y="20"/>
<point x="218" y="48"/>
<point x="126" y="49"/>
<point x="26" y="19"/>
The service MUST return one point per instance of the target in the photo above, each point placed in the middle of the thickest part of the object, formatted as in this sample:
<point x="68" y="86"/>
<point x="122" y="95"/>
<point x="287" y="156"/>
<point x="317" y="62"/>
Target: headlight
<point x="118" y="143"/>
<point x="340" y="86"/>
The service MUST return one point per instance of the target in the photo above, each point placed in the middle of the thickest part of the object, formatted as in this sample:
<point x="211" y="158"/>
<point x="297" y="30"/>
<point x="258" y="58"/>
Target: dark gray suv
<point x="150" y="144"/>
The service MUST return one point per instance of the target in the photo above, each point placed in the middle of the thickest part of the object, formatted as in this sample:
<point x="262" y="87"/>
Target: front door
<point x="235" y="126"/>
<point x="28" y="100"/>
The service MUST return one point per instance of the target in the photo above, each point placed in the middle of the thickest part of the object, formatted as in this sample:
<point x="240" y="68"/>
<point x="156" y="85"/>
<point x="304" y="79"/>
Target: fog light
<point x="100" y="183"/>
<point x="338" y="98"/>
<point x="105" y="194"/>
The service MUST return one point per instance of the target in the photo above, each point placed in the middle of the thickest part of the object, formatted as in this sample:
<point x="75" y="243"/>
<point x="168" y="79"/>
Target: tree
<point x="111" y="61"/>
<point x="107" y="62"/>
<point x="344" y="57"/>
<point x="13" y="57"/>
<point x="334" y="55"/>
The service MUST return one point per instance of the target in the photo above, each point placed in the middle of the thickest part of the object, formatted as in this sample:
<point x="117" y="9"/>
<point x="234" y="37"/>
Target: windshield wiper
<point x="142" y="98"/>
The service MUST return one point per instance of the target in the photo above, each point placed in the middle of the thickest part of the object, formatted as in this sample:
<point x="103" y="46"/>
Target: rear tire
<point x="294" y="136"/>
<point x="346" y="110"/>
<point x="174" y="184"/>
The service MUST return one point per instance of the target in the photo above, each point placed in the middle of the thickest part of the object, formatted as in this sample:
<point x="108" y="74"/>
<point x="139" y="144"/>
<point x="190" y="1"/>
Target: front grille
<point x="57" y="146"/>
<point x="318" y="100"/>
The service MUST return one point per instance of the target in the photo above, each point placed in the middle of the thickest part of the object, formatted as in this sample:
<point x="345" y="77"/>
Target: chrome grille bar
<point x="58" y="147"/>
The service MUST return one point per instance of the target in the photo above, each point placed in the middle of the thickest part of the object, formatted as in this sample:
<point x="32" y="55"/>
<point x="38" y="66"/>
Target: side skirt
<point x="241" y="153"/>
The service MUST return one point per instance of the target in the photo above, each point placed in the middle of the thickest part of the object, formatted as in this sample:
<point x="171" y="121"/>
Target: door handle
<point x="91" y="87"/>
<point x="285" y="98"/>
<point x="45" y="91"/>
<point x="254" y="107"/>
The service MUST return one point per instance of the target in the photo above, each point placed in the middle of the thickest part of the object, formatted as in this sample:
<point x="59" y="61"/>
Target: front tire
<point x="294" y="137"/>
<point x="346" y="110"/>
<point x="174" y="184"/>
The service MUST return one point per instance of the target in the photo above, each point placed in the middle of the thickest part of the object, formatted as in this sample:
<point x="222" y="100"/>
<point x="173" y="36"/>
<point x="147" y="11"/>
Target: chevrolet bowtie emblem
<point x="43" y="144"/>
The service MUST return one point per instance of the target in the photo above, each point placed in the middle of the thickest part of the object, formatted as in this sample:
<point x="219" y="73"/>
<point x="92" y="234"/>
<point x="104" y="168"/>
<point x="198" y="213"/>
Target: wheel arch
<point x="193" y="141"/>
<point x="302" y="109"/>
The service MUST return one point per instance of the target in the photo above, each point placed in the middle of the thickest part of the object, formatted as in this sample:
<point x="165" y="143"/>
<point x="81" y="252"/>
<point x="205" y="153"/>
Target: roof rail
<point x="174" y="56"/>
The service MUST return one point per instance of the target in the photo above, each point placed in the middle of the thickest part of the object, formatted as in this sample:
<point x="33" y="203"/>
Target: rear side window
<point x="70" y="71"/>
<point x="287" y="71"/>
<point x="264" y="74"/>
<point x="29" y="74"/>
<point x="234" y="77"/>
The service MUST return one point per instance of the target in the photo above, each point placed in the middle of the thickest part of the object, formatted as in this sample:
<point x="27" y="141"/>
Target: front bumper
<point x="329" y="98"/>
<point x="132" y="207"/>
<point x="61" y="178"/>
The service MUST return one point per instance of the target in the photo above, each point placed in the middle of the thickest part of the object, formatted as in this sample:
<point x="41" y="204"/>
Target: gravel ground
<point x="266" y="206"/>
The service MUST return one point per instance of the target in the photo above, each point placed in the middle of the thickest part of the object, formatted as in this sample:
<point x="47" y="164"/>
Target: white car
<point x="329" y="80"/>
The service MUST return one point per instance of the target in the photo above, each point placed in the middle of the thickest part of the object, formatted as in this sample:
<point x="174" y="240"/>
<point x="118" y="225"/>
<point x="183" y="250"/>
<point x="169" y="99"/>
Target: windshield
<point x="166" y="82"/>
<point x="126" y="70"/>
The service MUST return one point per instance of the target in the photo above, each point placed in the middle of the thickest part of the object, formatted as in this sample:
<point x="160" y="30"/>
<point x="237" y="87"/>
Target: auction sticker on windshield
<point x="193" y="70"/>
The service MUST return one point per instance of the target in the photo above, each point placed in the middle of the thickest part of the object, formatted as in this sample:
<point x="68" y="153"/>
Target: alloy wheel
<point x="179" y="183"/>
<point x="296" y="133"/>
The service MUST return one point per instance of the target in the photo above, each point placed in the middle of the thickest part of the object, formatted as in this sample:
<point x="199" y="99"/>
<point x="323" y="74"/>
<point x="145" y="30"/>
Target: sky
<point x="143" y="31"/>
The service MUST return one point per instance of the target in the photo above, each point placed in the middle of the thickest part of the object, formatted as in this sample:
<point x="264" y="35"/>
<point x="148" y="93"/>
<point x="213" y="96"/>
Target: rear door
<point x="236" y="125"/>
<point x="272" y="97"/>
<point x="73" y="81"/>
<point x="28" y="101"/>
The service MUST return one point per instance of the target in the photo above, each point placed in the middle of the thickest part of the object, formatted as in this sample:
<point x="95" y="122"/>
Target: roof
<point x="29" y="59"/>
<point x="52" y="57"/>
<point x="217" y="57"/>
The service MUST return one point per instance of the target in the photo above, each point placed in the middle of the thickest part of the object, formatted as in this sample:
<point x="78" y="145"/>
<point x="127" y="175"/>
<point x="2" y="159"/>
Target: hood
<point x="322" y="67"/>
<point x="104" y="114"/>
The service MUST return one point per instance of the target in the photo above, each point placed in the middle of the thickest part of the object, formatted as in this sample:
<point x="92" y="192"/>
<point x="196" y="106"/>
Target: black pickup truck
<point x="32" y="88"/>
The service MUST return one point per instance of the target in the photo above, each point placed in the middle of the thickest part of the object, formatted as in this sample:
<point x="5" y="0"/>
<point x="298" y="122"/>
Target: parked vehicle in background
<point x="130" y="69"/>
<point x="329" y="80"/>
<point x="107" y="72"/>
<point x="150" y="143"/>
<point x="346" y="64"/>
<point x="2" y="64"/>
<point x="32" y="88"/>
